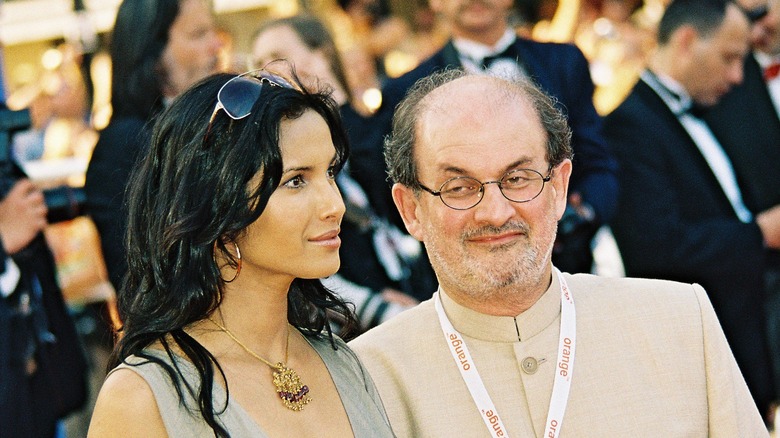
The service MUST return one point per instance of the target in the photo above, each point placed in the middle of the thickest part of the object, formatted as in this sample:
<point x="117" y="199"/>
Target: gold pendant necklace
<point x="293" y="393"/>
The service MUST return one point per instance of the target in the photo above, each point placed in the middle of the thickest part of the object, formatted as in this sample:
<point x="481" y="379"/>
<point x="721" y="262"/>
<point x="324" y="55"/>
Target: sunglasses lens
<point x="238" y="96"/>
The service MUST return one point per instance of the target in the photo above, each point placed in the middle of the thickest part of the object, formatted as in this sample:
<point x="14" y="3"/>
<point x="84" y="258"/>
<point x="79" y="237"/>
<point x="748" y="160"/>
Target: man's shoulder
<point x="547" y="46"/>
<point x="396" y="332"/>
<point x="635" y="294"/>
<point x="641" y="105"/>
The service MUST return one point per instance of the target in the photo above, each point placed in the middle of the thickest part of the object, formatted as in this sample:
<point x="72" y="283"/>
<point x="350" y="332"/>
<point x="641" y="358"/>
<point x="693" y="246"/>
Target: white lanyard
<point x="563" y="370"/>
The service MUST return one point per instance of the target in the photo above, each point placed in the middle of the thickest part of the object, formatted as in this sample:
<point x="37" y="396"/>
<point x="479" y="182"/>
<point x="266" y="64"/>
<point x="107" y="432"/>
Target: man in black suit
<point x="681" y="213"/>
<point x="747" y="123"/>
<point x="482" y="39"/>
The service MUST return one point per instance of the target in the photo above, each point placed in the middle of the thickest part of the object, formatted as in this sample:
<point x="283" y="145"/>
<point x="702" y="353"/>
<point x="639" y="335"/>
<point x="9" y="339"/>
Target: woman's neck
<point x="255" y="314"/>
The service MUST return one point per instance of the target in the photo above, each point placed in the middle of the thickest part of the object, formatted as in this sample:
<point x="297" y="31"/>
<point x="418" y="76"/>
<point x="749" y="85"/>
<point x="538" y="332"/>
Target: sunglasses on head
<point x="756" y="13"/>
<point x="238" y="95"/>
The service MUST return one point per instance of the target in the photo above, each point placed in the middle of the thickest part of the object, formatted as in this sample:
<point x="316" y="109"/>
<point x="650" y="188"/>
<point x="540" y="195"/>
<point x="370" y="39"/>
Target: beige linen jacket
<point x="650" y="361"/>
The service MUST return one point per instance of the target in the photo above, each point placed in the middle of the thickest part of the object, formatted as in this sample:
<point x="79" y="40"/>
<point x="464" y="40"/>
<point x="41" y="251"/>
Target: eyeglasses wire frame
<point x="481" y="193"/>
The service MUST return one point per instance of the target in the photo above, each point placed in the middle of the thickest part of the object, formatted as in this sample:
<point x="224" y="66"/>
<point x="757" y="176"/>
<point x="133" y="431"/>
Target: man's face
<point x="716" y="62"/>
<point x="765" y="32"/>
<point x="470" y="18"/>
<point x="497" y="247"/>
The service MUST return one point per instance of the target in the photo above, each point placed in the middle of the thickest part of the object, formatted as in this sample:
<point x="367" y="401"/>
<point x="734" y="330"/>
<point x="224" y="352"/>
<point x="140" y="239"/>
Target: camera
<point x="63" y="202"/>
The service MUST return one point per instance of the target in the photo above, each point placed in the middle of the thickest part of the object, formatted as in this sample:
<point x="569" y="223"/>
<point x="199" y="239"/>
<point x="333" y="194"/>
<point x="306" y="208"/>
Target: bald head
<point x="453" y="98"/>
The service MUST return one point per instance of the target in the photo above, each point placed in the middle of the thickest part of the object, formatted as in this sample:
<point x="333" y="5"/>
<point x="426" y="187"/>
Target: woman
<point x="234" y="214"/>
<point x="376" y="256"/>
<point x="159" y="48"/>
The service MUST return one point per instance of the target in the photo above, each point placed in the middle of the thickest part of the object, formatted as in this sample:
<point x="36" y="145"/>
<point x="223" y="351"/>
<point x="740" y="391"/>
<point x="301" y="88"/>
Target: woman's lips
<point x="328" y="239"/>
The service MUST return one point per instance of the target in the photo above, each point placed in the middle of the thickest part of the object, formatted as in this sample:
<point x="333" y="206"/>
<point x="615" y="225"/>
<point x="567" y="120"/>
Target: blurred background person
<point x="746" y="122"/>
<point x="43" y="369"/>
<point x="158" y="49"/>
<point x="682" y="214"/>
<point x="381" y="266"/>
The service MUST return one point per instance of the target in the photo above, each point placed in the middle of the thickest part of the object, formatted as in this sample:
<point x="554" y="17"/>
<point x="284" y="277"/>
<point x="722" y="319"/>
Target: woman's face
<point x="192" y="52"/>
<point x="296" y="236"/>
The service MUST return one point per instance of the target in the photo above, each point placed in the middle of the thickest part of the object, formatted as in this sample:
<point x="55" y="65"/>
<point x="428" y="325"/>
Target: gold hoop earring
<point x="238" y="265"/>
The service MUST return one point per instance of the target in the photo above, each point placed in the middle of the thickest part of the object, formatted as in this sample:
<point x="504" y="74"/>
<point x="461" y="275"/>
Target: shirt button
<point x="530" y="365"/>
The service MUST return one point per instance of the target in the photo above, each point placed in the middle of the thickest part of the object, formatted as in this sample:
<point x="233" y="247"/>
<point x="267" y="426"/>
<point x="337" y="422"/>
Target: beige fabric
<point x="651" y="361"/>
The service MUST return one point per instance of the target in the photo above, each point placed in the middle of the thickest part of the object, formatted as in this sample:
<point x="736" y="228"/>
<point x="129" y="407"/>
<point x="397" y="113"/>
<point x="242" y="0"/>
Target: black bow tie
<point x="695" y="110"/>
<point x="508" y="53"/>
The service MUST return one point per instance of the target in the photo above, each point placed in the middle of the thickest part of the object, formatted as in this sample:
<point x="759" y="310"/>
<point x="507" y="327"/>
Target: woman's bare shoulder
<point x="126" y="406"/>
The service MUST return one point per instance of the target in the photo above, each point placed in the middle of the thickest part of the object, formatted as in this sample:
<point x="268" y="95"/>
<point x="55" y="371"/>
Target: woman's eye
<point x="332" y="172"/>
<point x="295" y="182"/>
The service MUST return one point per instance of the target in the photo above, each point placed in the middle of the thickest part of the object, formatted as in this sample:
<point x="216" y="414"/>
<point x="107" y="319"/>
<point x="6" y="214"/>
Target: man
<point x="747" y="123"/>
<point x="481" y="167"/>
<point x="747" y="120"/>
<point x="482" y="39"/>
<point x="682" y="213"/>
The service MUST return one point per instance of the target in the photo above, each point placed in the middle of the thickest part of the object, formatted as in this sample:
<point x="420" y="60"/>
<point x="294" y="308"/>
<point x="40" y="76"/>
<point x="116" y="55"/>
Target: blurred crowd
<point x="705" y="214"/>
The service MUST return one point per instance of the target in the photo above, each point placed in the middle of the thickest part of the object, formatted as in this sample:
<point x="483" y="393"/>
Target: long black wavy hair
<point x="139" y="37"/>
<point x="191" y="191"/>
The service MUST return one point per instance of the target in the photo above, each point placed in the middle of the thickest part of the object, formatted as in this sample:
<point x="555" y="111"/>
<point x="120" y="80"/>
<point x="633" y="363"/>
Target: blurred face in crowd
<point x="765" y="31"/>
<point x="296" y="236"/>
<point x="311" y="65"/>
<point x="715" y="63"/>
<point x="479" y="20"/>
<point x="192" y="52"/>
<point x="497" y="248"/>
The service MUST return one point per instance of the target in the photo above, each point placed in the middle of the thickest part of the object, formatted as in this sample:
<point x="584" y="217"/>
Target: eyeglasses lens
<point x="462" y="193"/>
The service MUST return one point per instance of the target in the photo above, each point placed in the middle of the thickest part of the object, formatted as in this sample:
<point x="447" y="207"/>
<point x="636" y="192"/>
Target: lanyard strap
<point x="563" y="370"/>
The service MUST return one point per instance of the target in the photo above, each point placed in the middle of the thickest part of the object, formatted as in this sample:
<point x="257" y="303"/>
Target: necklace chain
<point x="293" y="393"/>
<point x="252" y="353"/>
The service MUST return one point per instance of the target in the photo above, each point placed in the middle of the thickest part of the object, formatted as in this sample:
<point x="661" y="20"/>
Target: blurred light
<point x="372" y="99"/>
<point x="51" y="59"/>
<point x="397" y="63"/>
<point x="603" y="27"/>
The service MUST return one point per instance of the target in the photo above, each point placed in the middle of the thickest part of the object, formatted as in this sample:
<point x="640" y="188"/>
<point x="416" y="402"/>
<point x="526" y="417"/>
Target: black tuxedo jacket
<point x="674" y="222"/>
<point x="748" y="127"/>
<point x="562" y="71"/>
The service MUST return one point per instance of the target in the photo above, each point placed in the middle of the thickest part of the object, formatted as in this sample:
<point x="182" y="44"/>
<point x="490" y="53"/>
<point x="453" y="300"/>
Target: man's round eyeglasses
<point x="465" y="192"/>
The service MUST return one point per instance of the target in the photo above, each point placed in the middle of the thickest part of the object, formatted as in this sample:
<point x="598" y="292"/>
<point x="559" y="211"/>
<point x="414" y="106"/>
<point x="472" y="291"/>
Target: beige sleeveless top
<point x="355" y="387"/>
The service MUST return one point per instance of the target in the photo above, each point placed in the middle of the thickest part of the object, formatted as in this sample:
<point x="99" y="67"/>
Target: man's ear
<point x="408" y="204"/>
<point x="560" y="185"/>
<point x="683" y="39"/>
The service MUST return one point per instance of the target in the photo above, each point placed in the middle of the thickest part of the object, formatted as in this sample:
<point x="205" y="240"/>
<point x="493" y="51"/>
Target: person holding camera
<point x="42" y="364"/>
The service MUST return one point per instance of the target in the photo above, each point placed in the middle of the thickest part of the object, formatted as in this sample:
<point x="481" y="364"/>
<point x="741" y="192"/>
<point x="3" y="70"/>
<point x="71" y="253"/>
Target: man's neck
<point x="488" y="38"/>
<point x="510" y="301"/>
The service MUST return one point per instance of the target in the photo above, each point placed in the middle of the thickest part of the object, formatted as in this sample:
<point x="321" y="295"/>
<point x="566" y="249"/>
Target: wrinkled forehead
<point x="470" y="98"/>
<point x="478" y="121"/>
